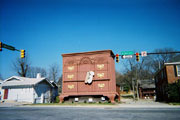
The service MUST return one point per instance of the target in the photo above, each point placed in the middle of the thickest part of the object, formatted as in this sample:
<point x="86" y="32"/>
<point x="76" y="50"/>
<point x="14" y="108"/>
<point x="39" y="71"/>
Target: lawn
<point x="174" y="103"/>
<point x="72" y="104"/>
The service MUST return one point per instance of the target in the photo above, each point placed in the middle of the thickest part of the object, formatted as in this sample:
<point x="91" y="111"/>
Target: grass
<point x="71" y="104"/>
<point x="174" y="103"/>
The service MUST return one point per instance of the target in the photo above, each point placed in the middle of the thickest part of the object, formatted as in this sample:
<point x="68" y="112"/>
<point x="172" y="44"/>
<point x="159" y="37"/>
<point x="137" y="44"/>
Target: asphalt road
<point x="85" y="113"/>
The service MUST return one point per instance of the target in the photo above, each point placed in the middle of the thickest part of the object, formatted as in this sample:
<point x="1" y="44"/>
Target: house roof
<point x="147" y="84"/>
<point x="22" y="81"/>
<point x="172" y="63"/>
<point x="1" y="81"/>
<point x="54" y="84"/>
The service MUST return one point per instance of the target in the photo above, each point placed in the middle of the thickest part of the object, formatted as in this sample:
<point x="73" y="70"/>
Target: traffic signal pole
<point x="163" y="53"/>
<point x="138" y="54"/>
<point x="129" y="54"/>
<point x="9" y="47"/>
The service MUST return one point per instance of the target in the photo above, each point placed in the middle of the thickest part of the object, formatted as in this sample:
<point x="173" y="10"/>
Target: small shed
<point x="23" y="89"/>
<point x="147" y="89"/>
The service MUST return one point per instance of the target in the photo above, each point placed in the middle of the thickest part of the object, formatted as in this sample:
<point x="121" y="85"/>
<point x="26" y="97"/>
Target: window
<point x="178" y="70"/>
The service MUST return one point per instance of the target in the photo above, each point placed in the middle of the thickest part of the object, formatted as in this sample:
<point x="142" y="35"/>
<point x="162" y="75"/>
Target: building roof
<point x="172" y="63"/>
<point x="147" y="84"/>
<point x="89" y="53"/>
<point x="1" y="81"/>
<point x="23" y="81"/>
<point x="54" y="84"/>
<point x="165" y="64"/>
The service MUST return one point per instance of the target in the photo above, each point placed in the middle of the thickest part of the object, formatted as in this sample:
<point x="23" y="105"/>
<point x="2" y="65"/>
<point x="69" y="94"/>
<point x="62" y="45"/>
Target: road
<point x="88" y="113"/>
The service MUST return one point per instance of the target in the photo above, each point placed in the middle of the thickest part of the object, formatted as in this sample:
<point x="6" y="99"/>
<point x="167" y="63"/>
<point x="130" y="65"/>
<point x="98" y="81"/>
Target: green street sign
<point x="127" y="53"/>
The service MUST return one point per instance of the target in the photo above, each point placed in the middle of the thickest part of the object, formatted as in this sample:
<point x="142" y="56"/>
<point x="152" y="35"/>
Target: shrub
<point x="57" y="99"/>
<point x="174" y="92"/>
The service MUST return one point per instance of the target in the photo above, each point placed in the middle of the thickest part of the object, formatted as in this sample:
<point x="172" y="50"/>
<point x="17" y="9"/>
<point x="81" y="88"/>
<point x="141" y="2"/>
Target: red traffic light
<point x="117" y="58"/>
<point x="137" y="57"/>
<point x="137" y="54"/>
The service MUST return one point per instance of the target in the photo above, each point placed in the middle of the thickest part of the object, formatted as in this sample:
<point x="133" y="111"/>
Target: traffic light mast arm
<point x="163" y="53"/>
<point x="153" y="53"/>
<point x="0" y="46"/>
<point x="9" y="47"/>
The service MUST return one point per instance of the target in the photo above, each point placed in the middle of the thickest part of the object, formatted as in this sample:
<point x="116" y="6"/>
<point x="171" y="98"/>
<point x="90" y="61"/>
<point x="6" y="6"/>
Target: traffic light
<point x="0" y="46"/>
<point x="117" y="58"/>
<point x="137" y="57"/>
<point x="22" y="53"/>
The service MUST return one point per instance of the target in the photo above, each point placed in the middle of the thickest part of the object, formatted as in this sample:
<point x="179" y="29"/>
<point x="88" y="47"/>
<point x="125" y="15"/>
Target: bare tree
<point x="54" y="72"/>
<point x="32" y="72"/>
<point x="146" y="67"/>
<point x="59" y="83"/>
<point x="155" y="62"/>
<point x="21" y="66"/>
<point x="175" y="58"/>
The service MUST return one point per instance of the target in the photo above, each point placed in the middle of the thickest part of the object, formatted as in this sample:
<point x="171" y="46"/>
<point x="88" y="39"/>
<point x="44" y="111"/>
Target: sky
<point x="48" y="28"/>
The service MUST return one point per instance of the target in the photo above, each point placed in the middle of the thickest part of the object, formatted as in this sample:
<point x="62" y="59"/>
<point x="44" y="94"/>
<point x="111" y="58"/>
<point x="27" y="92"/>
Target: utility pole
<point x="137" y="91"/>
<point x="133" y="81"/>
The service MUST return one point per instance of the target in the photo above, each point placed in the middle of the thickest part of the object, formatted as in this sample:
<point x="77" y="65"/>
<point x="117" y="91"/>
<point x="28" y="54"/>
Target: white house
<point x="22" y="89"/>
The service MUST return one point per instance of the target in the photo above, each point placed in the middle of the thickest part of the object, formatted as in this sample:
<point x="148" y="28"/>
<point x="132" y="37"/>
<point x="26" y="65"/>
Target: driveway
<point x="11" y="104"/>
<point x="143" y="103"/>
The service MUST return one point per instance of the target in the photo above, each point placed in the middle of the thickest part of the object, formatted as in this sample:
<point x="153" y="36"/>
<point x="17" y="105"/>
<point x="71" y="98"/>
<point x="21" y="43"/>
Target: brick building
<point x="169" y="73"/>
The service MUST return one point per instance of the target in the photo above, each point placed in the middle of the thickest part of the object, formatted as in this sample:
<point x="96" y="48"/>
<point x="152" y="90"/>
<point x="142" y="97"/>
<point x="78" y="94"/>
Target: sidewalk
<point x="144" y="104"/>
<point x="11" y="104"/>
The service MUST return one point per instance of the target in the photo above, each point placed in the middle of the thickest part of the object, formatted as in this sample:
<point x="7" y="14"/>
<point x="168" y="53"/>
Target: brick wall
<point x="171" y="73"/>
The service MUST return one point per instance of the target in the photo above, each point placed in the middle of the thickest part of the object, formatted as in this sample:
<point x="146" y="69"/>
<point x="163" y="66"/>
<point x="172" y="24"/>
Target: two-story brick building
<point x="169" y="73"/>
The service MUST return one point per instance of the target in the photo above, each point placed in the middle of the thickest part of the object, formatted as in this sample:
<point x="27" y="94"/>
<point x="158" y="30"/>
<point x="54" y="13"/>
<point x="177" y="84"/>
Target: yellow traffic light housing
<point x="0" y="46"/>
<point x="137" y="57"/>
<point x="117" y="58"/>
<point x="22" y="53"/>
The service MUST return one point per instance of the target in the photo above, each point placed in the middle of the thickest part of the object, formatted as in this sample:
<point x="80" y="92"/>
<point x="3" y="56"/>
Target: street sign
<point x="144" y="53"/>
<point x="126" y="56"/>
<point x="127" y="53"/>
